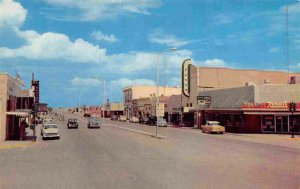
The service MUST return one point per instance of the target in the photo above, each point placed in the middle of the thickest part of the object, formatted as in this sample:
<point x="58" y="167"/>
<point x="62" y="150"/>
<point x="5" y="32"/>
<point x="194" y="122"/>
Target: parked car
<point x="123" y="118"/>
<point x="72" y="123"/>
<point x="47" y="120"/>
<point x="151" y="120"/>
<point x="114" y="118"/>
<point x="134" y="119"/>
<point x="162" y="123"/>
<point x="50" y="131"/>
<point x="93" y="122"/>
<point x="143" y="120"/>
<point x="213" y="127"/>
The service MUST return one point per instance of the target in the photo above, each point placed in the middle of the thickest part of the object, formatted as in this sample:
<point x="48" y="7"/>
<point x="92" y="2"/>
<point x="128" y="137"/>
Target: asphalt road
<point x="114" y="158"/>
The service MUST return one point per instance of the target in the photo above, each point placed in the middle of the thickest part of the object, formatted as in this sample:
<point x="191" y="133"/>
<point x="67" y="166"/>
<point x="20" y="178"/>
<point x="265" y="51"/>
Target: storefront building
<point x="252" y="109"/>
<point x="196" y="81"/>
<point x="15" y="106"/>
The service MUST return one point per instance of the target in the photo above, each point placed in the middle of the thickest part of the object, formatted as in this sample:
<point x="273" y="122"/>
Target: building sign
<point x="186" y="77"/>
<point x="160" y="111"/>
<point x="268" y="105"/>
<point x="203" y="100"/>
<point x="36" y="85"/>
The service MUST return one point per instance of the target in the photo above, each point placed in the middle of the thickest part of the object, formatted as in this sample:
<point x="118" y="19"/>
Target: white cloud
<point x="54" y="46"/>
<point x="213" y="63"/>
<point x="92" y="10"/>
<point x="274" y="50"/>
<point x="12" y="14"/>
<point x="124" y="82"/>
<point x="99" y="36"/>
<point x="160" y="37"/>
<point x="85" y="82"/>
<point x="144" y="61"/>
<point x="222" y="19"/>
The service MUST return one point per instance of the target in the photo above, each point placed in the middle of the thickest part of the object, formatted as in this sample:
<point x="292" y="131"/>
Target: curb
<point x="139" y="132"/>
<point x="18" y="145"/>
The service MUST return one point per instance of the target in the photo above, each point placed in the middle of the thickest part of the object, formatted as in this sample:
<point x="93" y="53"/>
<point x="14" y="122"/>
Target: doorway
<point x="282" y="124"/>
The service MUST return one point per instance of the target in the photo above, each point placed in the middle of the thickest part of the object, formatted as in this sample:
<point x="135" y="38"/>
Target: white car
<point x="50" y="131"/>
<point x="47" y="121"/>
<point x="134" y="119"/>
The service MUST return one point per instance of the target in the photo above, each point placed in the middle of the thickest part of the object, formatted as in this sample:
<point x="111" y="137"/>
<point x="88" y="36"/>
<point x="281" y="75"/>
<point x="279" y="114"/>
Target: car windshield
<point x="50" y="126"/>
<point x="94" y="120"/>
<point x="72" y="120"/>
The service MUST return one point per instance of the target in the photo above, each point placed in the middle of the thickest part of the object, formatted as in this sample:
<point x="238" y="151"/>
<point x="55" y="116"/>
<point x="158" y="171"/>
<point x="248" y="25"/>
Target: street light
<point x="103" y="110"/>
<point x="157" y="82"/>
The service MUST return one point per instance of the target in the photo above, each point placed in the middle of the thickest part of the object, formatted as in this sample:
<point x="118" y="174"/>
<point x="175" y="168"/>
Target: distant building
<point x="138" y="100"/>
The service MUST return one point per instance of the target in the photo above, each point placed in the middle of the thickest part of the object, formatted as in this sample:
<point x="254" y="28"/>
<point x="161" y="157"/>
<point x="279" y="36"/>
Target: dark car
<point x="143" y="120"/>
<point x="114" y="118"/>
<point x="151" y="120"/>
<point x="72" y="123"/>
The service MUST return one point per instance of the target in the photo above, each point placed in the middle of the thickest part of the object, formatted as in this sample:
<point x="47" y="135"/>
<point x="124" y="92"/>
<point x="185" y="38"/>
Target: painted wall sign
<point x="186" y="77"/>
<point x="268" y="105"/>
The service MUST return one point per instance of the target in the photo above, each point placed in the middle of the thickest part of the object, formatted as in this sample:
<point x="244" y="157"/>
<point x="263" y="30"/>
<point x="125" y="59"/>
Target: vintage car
<point x="123" y="118"/>
<point x="134" y="119"/>
<point x="143" y="119"/>
<point x="72" y="123"/>
<point x="93" y="122"/>
<point x="114" y="118"/>
<point x="151" y="120"/>
<point x="213" y="127"/>
<point x="50" y="130"/>
<point x="47" y="120"/>
<point x="162" y="123"/>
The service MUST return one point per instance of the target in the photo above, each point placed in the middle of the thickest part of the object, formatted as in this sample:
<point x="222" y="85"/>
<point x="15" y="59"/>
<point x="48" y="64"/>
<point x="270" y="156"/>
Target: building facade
<point x="15" y="106"/>
<point x="140" y="100"/>
<point x="253" y="109"/>
<point x="197" y="82"/>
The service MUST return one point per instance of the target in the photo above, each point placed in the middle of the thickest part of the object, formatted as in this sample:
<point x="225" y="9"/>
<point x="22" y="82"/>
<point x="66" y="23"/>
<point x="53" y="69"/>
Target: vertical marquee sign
<point x="36" y="85"/>
<point x="186" y="77"/>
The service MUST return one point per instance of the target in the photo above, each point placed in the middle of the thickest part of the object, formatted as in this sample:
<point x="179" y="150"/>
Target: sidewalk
<point x="9" y="144"/>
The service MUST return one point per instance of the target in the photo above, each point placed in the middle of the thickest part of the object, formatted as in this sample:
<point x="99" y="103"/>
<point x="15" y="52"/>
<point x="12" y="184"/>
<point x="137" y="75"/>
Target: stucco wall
<point x="3" y="100"/>
<point x="277" y="93"/>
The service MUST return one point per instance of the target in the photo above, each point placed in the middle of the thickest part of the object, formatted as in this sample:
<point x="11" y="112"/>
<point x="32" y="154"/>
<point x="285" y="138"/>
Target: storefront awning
<point x="20" y="114"/>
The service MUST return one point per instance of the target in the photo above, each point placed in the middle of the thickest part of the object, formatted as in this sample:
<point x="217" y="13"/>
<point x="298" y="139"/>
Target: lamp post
<point x="157" y="84"/>
<point x="103" y="109"/>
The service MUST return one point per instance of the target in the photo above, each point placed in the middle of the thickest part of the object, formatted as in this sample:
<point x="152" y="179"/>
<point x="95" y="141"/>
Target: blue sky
<point x="68" y="43"/>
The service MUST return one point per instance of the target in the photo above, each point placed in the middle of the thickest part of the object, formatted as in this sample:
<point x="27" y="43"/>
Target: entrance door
<point x="282" y="124"/>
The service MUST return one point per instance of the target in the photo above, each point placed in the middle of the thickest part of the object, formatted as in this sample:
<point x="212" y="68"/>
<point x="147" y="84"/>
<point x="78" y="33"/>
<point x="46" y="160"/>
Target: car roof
<point x="50" y="124"/>
<point x="213" y="122"/>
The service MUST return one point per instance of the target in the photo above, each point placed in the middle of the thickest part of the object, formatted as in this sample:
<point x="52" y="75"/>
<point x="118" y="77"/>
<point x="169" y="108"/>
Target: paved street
<point x="115" y="158"/>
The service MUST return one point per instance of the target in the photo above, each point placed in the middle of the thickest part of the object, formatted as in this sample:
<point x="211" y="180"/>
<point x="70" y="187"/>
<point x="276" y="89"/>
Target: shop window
<point x="239" y="120"/>
<point x="268" y="124"/>
<point x="296" y="121"/>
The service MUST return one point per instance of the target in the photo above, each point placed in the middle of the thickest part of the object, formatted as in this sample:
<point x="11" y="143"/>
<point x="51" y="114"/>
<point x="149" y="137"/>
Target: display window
<point x="268" y="124"/>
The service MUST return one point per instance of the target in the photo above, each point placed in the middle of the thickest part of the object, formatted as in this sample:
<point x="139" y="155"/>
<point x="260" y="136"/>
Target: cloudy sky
<point x="70" y="44"/>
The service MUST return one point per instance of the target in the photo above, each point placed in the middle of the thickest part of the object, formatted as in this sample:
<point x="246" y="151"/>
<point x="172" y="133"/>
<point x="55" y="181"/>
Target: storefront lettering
<point x="268" y="105"/>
